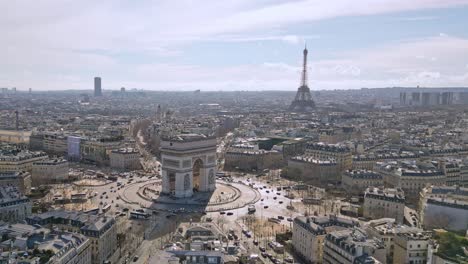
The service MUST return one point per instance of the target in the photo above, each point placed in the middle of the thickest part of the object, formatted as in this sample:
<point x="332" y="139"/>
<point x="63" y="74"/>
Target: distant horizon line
<point x="200" y="90"/>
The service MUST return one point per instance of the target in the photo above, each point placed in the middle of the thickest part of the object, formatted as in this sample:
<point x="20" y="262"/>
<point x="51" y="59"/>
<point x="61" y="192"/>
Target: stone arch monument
<point x="188" y="165"/>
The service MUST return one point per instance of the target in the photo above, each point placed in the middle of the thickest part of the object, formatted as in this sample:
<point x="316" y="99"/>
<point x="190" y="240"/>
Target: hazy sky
<point x="232" y="44"/>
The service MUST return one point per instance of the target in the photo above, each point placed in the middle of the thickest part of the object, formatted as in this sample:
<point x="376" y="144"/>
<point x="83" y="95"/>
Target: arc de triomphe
<point x="188" y="165"/>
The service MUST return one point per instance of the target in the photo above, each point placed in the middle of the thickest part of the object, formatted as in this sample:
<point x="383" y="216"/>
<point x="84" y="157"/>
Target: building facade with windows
<point x="384" y="203"/>
<point x="50" y="171"/>
<point x="309" y="234"/>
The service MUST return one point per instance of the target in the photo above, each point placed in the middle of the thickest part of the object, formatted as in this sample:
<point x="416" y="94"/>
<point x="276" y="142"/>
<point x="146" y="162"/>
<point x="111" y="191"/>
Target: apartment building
<point x="356" y="181"/>
<point x="383" y="203"/>
<point x="309" y="234"/>
<point x="125" y="159"/>
<point x="49" y="171"/>
<point x="19" y="160"/>
<point x="444" y="207"/>
<point x="351" y="246"/>
<point x="411" y="247"/>
<point x="339" y="153"/>
<point x="19" y="179"/>
<point x="101" y="230"/>
<point x="14" y="206"/>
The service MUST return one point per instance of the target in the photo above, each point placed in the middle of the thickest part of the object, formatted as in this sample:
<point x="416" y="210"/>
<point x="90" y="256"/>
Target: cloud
<point x="63" y="44"/>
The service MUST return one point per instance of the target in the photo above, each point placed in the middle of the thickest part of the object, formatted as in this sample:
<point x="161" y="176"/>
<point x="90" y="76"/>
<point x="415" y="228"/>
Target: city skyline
<point x="233" y="46"/>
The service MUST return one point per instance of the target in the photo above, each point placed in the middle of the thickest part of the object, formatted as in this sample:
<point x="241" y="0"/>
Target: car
<point x="289" y="260"/>
<point x="266" y="206"/>
<point x="230" y="237"/>
<point x="289" y="219"/>
<point x="278" y="193"/>
<point x="255" y="242"/>
<point x="280" y="217"/>
<point x="280" y="202"/>
<point x="107" y="197"/>
<point x="135" y="258"/>
<point x="222" y="212"/>
<point x="274" y="198"/>
<point x="264" y="254"/>
<point x="262" y="249"/>
<point x="267" y="191"/>
<point x="104" y="193"/>
<point x="262" y="199"/>
<point x="230" y="213"/>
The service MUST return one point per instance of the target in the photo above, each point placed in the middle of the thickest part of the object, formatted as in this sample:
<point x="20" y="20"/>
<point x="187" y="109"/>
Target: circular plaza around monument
<point x="226" y="196"/>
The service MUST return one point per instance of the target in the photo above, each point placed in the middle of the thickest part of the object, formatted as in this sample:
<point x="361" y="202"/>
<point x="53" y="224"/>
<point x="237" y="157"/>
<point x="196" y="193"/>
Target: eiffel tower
<point x="303" y="101"/>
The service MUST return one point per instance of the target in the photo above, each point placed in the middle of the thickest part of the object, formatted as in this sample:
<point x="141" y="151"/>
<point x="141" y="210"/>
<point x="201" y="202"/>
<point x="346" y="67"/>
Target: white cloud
<point x="59" y="44"/>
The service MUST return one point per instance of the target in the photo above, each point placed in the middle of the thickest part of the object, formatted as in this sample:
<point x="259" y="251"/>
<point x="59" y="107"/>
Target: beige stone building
<point x="385" y="229"/>
<point x="357" y="181"/>
<point x="384" y="203"/>
<point x="341" y="154"/>
<point x="49" y="171"/>
<point x="314" y="171"/>
<point x="411" y="248"/>
<point x="410" y="176"/>
<point x="251" y="159"/>
<point x="125" y="159"/>
<point x="19" y="179"/>
<point x="98" y="151"/>
<point x="309" y="234"/>
<point x="14" y="206"/>
<point x="20" y="160"/>
<point x="101" y="230"/>
<point x="444" y="207"/>
<point x="352" y="246"/>
<point x="14" y="136"/>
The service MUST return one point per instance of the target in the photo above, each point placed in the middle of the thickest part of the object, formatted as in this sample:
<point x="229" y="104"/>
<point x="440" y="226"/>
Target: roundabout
<point x="226" y="196"/>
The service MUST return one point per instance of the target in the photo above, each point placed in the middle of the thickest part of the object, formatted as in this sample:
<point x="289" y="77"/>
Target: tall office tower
<point x="303" y="101"/>
<point x="97" y="86"/>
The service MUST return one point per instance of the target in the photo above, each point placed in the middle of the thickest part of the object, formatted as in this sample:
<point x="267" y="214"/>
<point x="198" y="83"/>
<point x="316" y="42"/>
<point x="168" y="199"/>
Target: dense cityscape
<point x="302" y="174"/>
<point x="234" y="177"/>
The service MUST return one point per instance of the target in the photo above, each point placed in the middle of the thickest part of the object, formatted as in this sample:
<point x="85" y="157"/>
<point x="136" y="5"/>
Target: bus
<point x="106" y="208"/>
<point x="139" y="215"/>
<point x="93" y="211"/>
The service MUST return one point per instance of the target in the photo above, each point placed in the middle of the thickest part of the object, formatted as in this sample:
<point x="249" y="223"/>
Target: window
<point x="212" y="260"/>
